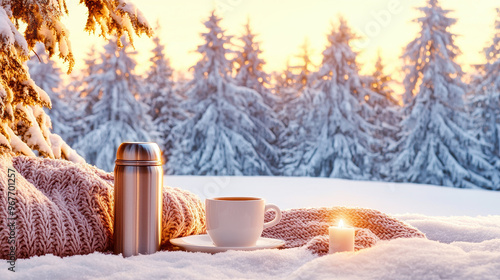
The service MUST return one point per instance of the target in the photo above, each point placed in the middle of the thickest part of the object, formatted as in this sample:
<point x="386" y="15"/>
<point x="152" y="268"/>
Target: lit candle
<point x="341" y="238"/>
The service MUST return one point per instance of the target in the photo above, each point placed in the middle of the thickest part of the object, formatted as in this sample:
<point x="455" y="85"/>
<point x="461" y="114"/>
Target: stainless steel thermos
<point x="138" y="198"/>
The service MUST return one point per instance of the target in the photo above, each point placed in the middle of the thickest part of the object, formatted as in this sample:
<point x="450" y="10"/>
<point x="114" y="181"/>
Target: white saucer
<point x="203" y="243"/>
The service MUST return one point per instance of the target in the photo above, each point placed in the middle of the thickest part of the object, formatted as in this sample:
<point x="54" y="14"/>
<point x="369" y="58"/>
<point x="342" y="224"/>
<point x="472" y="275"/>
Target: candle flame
<point x="341" y="223"/>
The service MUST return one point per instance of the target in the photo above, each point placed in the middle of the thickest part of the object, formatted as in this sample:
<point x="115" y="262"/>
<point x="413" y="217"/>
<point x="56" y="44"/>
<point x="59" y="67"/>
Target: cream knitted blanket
<point x="63" y="208"/>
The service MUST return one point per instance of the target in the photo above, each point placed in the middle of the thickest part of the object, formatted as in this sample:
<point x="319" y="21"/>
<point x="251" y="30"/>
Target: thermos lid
<point x="138" y="153"/>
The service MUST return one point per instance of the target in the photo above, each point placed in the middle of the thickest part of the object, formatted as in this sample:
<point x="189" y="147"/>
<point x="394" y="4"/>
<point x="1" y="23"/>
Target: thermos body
<point x="138" y="199"/>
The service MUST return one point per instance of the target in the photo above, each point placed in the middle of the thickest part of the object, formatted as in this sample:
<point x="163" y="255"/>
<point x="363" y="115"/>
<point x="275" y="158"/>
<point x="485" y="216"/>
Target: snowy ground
<point x="393" y="198"/>
<point x="463" y="227"/>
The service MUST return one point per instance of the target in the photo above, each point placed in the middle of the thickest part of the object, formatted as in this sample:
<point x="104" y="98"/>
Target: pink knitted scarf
<point x="66" y="209"/>
<point x="309" y="227"/>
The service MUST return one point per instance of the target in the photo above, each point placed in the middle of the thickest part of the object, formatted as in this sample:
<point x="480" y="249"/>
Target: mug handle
<point x="276" y="219"/>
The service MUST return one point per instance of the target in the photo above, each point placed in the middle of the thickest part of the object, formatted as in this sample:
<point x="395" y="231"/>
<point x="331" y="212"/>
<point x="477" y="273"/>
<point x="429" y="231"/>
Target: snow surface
<point x="392" y="198"/>
<point x="459" y="247"/>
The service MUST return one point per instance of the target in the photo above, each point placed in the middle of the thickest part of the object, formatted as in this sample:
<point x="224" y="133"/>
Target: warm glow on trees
<point x="23" y="124"/>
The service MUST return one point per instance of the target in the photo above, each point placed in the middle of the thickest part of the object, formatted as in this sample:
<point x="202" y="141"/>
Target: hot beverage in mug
<point x="238" y="221"/>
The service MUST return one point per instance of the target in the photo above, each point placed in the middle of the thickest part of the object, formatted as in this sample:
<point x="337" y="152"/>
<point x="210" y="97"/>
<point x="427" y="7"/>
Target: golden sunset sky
<point x="283" y="26"/>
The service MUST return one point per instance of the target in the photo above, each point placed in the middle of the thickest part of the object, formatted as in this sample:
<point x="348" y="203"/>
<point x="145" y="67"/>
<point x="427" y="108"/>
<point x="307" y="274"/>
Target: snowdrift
<point x="463" y="237"/>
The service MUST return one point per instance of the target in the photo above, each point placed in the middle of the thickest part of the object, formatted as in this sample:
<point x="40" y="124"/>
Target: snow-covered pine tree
<point x="47" y="75"/>
<point x="298" y="134"/>
<point x="91" y="61"/>
<point x="487" y="93"/>
<point x="250" y="66"/>
<point x="294" y="102"/>
<point x="293" y="94"/>
<point x="385" y="106"/>
<point x="285" y="91"/>
<point x="164" y="101"/>
<point x="284" y="81"/>
<point x="250" y="74"/>
<point x="486" y="103"/>
<point x="435" y="146"/>
<point x="292" y="83"/>
<point x="383" y="113"/>
<point x="73" y="93"/>
<point x="112" y="112"/>
<point x="337" y="136"/>
<point x="380" y="84"/>
<point x="23" y="123"/>
<point x="305" y="65"/>
<point x="222" y="136"/>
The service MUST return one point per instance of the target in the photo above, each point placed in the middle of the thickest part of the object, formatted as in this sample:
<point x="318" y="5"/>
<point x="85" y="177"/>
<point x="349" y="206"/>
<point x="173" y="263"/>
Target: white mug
<point x="237" y="221"/>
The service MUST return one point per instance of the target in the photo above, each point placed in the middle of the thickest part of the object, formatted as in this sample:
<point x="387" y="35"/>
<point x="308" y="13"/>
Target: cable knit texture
<point x="309" y="227"/>
<point x="66" y="209"/>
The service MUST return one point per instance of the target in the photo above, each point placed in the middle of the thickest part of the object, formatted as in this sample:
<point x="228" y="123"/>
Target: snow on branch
<point x="22" y="120"/>
<point x="116" y="17"/>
